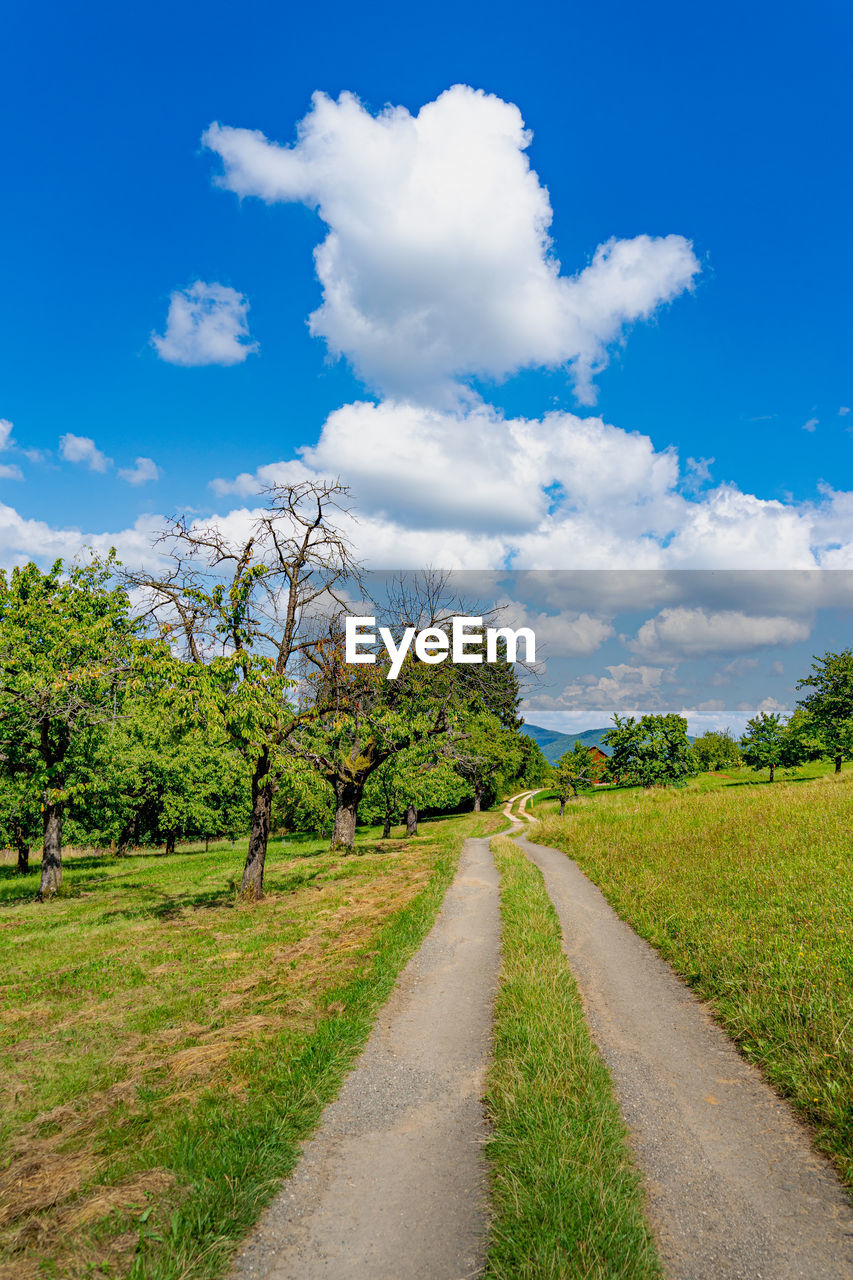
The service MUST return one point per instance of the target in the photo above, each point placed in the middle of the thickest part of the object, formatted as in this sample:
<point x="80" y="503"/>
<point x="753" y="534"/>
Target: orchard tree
<point x="533" y="766"/>
<point x="576" y="769"/>
<point x="716" y="750"/>
<point x="303" y="800"/>
<point x="157" y="781"/>
<point x="20" y="816"/>
<point x="410" y="781"/>
<point x="66" y="648"/>
<point x="765" y="744"/>
<point x="804" y="738"/>
<point x="653" y="751"/>
<point x="482" y="751"/>
<point x="360" y="719"/>
<point x="829" y="705"/>
<point x="235" y="606"/>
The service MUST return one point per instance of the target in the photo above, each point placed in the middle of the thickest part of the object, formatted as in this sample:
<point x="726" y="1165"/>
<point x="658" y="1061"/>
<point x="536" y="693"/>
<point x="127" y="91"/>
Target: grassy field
<point x="164" y="1048"/>
<point x="567" y="1200"/>
<point x="746" y="889"/>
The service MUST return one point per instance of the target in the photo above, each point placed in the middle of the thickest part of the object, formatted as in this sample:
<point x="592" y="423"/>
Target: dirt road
<point x="393" y="1184"/>
<point x="735" y="1190"/>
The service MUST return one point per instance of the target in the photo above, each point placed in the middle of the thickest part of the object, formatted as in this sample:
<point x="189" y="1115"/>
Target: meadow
<point x="746" y="889"/>
<point x="165" y="1046"/>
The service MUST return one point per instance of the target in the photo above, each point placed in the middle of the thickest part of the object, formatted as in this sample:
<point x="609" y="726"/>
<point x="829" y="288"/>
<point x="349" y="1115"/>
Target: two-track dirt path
<point x="735" y="1190"/>
<point x="393" y="1184"/>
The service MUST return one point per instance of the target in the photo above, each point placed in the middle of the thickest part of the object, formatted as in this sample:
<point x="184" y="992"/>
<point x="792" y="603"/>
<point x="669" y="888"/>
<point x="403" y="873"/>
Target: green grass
<point x="546" y="801"/>
<point x="747" y="890"/>
<point x="567" y="1200"/>
<point x="165" y="1047"/>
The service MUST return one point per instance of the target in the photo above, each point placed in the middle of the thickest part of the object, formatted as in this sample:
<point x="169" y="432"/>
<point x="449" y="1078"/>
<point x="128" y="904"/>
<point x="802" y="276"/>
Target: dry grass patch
<point x="150" y="1008"/>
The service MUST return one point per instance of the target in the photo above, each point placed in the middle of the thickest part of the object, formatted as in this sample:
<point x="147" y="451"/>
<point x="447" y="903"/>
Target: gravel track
<point x="735" y="1190"/>
<point x="392" y="1186"/>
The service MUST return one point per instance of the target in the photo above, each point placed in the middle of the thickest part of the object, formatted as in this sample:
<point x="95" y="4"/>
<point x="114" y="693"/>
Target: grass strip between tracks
<point x="568" y="1201"/>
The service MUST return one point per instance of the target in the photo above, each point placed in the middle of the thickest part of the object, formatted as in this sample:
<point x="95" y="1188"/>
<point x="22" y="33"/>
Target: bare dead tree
<point x="236" y="605"/>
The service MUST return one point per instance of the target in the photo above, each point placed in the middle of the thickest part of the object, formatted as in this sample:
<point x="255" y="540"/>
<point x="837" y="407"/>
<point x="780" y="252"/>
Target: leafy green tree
<point x="829" y="705"/>
<point x="157" y="780"/>
<point x="360" y="719"/>
<point x="303" y="800"/>
<point x="20" y="816"/>
<point x="66" y="649"/>
<point x="768" y="743"/>
<point x="715" y="750"/>
<point x="533" y="766"/>
<point x="576" y="769"/>
<point x="653" y="751"/>
<point x="804" y="738"/>
<point x="484" y="751"/>
<point x="409" y="782"/>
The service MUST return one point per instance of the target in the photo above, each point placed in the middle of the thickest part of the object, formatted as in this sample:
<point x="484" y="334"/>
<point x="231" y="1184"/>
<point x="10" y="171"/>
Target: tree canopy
<point x="653" y="751"/>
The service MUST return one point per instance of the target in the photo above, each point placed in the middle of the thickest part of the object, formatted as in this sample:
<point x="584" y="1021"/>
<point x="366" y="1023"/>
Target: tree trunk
<point x="347" y="797"/>
<point x="252" y="884"/>
<point x="386" y="830"/>
<point x="170" y="842"/>
<point x="411" y="820"/>
<point x="562" y="806"/>
<point x="838" y="764"/>
<point x="123" y="842"/>
<point x="478" y="793"/>
<point x="22" y="845"/>
<point x="51" y="858"/>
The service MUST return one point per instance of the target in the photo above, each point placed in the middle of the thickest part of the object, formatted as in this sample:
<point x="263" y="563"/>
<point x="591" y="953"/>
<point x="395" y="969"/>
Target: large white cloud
<point x="563" y="492"/>
<point x="206" y="324"/>
<point x="697" y="633"/>
<point x="425" y="468"/>
<point x="438" y="262"/>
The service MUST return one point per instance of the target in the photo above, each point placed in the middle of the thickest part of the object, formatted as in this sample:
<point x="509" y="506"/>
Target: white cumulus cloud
<point x="697" y="633"/>
<point x="561" y="492"/>
<point x="626" y="689"/>
<point x="83" y="449"/>
<point x="206" y="324"/>
<point x="438" y="262"/>
<point x="145" y="469"/>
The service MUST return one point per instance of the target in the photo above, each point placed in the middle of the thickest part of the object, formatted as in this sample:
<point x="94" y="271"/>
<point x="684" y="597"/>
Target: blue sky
<point x="571" y="413"/>
<point x="727" y="127"/>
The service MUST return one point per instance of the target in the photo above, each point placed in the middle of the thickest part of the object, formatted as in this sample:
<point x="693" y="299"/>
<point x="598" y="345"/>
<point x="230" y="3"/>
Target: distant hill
<point x="553" y="744"/>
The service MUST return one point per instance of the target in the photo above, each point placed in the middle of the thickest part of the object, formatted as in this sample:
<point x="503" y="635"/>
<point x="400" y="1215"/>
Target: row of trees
<point x="655" y="750"/>
<point x="213" y="697"/>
